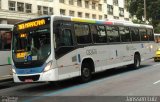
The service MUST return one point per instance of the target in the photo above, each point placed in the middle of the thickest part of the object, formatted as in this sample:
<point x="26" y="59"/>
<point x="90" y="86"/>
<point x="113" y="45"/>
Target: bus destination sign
<point x="31" y="24"/>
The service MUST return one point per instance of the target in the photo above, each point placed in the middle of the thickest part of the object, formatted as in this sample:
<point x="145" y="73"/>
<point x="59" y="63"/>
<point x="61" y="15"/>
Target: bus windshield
<point x="31" y="45"/>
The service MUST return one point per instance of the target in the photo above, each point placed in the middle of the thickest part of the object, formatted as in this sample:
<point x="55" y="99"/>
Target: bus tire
<point x="86" y="73"/>
<point x="137" y="62"/>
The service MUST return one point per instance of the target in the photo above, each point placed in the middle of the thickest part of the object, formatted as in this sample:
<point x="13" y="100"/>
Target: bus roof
<point x="94" y="21"/>
<point x="157" y="34"/>
<point x="107" y="22"/>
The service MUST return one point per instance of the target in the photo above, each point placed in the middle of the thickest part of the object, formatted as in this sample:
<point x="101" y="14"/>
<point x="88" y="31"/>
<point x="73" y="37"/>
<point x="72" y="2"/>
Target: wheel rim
<point x="86" y="72"/>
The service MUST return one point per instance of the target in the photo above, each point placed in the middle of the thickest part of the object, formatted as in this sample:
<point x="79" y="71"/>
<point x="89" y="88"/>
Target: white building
<point x="12" y="11"/>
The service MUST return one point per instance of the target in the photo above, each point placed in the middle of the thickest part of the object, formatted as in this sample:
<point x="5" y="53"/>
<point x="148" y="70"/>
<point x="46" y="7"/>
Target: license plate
<point x="28" y="80"/>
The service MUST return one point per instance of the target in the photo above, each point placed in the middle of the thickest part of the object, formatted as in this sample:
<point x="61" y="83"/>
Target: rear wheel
<point x="86" y="73"/>
<point x="137" y="62"/>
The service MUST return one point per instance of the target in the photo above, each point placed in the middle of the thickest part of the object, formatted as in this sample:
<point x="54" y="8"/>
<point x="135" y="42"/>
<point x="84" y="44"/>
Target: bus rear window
<point x="5" y="40"/>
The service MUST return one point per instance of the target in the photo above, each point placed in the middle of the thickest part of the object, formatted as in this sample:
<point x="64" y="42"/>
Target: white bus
<point x="5" y="48"/>
<point x="55" y="48"/>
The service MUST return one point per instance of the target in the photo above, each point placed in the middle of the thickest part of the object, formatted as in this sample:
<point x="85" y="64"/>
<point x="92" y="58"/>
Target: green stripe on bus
<point x="9" y="60"/>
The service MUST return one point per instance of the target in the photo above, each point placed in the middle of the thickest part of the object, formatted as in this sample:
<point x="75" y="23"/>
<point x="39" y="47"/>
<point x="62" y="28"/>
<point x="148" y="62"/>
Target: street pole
<point x="145" y="11"/>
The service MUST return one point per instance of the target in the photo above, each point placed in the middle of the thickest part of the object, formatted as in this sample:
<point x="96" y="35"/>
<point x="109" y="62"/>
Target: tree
<point x="136" y="8"/>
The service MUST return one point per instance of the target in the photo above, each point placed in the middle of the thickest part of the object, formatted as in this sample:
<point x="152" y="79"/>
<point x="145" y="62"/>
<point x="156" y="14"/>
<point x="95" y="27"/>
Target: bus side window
<point x="112" y="34"/>
<point x="57" y="32"/>
<point x="63" y="38"/>
<point x="144" y="35"/>
<point x="67" y="37"/>
<point x="99" y="33"/>
<point x="135" y="34"/>
<point x="150" y="34"/>
<point x="125" y="34"/>
<point x="82" y="33"/>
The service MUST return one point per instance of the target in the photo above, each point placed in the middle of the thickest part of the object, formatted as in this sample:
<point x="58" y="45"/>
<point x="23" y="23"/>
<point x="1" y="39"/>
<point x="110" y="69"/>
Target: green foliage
<point x="136" y="8"/>
<point x="157" y="28"/>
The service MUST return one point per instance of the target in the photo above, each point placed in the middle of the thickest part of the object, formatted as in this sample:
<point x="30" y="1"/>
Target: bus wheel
<point x="137" y="62"/>
<point x="85" y="73"/>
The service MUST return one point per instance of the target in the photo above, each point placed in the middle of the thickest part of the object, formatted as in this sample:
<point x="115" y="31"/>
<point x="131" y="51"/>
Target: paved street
<point x="115" y="82"/>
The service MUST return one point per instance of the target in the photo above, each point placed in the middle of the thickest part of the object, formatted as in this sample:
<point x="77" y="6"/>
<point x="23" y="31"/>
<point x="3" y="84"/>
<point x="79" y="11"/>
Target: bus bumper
<point x="51" y="75"/>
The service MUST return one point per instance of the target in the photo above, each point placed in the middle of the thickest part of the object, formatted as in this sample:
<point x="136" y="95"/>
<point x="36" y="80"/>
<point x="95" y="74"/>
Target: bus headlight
<point x="13" y="70"/>
<point x="48" y="67"/>
<point x="151" y="46"/>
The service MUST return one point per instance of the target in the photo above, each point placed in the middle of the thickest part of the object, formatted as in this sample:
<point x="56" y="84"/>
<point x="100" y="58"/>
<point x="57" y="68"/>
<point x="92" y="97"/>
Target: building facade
<point x="12" y="11"/>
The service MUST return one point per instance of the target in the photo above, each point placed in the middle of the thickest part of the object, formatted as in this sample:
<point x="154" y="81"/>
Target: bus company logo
<point x="91" y="51"/>
<point x="31" y="24"/>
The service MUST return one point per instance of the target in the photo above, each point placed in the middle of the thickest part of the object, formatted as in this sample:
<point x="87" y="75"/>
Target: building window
<point x="126" y="4"/>
<point x="71" y="13"/>
<point x="116" y="17"/>
<point x="45" y="10"/>
<point x="62" y="11"/>
<point x="79" y="14"/>
<point x="100" y="17"/>
<point x="86" y="4"/>
<point x="20" y="7"/>
<point x="110" y="9"/>
<point x="127" y="19"/>
<point x="115" y="2"/>
<point x="0" y="4"/>
<point x="105" y="16"/>
<point x="62" y="1"/>
<point x="39" y="10"/>
<point x="71" y="2"/>
<point x="79" y="3"/>
<point x="121" y="12"/>
<point x="12" y="5"/>
<point x="100" y="7"/>
<point x="28" y="8"/>
<point x="86" y="15"/>
<point x="50" y="11"/>
<point x="82" y="33"/>
<point x="94" y="16"/>
<point x="93" y="5"/>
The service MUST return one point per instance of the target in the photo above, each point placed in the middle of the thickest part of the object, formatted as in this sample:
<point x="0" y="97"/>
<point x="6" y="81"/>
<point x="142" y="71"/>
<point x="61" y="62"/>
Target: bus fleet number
<point x="91" y="51"/>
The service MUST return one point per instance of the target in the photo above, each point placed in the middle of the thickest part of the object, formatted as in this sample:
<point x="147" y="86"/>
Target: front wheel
<point x="85" y="73"/>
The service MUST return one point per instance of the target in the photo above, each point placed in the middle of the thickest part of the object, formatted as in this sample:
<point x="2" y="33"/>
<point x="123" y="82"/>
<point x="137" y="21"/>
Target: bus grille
<point x="33" y="77"/>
